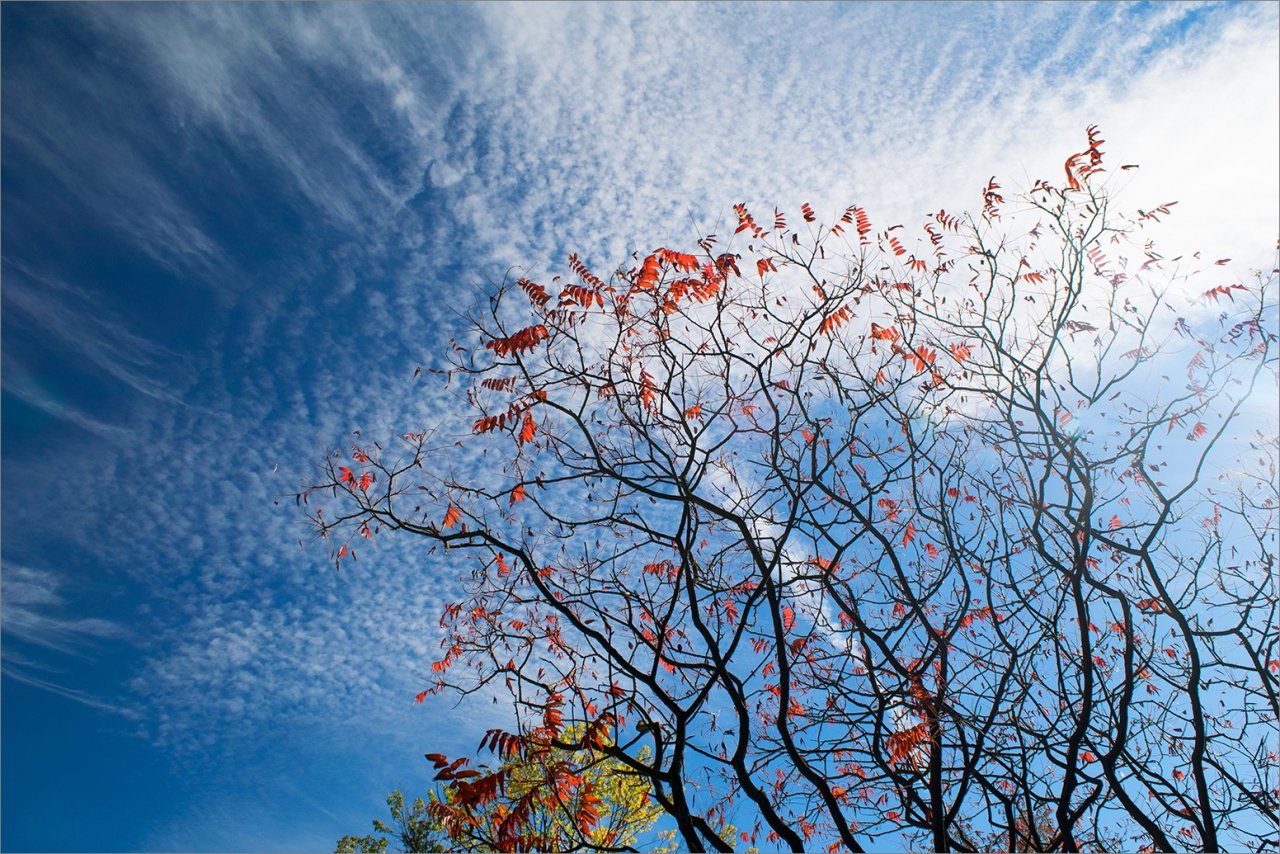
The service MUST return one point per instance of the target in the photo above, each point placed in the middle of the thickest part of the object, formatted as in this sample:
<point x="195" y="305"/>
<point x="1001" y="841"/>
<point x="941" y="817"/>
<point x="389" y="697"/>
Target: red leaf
<point x="834" y="320"/>
<point x="808" y="212"/>
<point x="649" y="273"/>
<point x="882" y="333"/>
<point x="923" y="357"/>
<point x="536" y="293"/>
<point x="451" y="517"/>
<point x="910" y="534"/>
<point x="517" y="494"/>
<point x="420" y="698"/>
<point x="765" y="264"/>
<point x="864" y="223"/>
<point x="527" y="429"/>
<point x="525" y="339"/>
<point x="1197" y="431"/>
<point x="788" y="619"/>
<point x="694" y="411"/>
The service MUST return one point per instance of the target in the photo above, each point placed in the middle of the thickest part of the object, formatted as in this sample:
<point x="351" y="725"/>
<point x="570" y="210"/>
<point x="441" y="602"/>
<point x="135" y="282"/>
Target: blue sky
<point x="231" y="232"/>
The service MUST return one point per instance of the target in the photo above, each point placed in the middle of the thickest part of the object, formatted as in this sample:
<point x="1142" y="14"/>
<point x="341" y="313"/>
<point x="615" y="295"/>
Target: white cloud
<point x="536" y="130"/>
<point x="29" y="595"/>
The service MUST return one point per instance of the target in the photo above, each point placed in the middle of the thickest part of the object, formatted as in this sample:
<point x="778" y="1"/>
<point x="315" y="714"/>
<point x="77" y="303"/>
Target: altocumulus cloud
<point x="295" y="198"/>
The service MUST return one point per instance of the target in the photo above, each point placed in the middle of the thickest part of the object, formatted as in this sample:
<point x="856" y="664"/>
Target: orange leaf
<point x="517" y="494"/>
<point x="451" y="517"/>
<point x="694" y="411"/>
<point x="834" y="320"/>
<point x="525" y="339"/>
<point x="527" y="429"/>
<point x="421" y="697"/>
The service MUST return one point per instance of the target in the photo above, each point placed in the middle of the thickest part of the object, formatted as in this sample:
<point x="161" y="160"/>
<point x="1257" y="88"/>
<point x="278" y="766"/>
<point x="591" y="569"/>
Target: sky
<point x="231" y="232"/>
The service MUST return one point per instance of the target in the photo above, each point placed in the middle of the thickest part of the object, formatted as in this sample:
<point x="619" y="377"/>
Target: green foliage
<point x="414" y="830"/>
<point x="362" y="844"/>
<point x="568" y="799"/>
<point x="626" y="810"/>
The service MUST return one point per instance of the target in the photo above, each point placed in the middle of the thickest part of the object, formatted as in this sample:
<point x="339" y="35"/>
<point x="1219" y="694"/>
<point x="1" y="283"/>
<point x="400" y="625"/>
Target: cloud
<point x="32" y="610"/>
<point x="78" y="321"/>
<point x="415" y="145"/>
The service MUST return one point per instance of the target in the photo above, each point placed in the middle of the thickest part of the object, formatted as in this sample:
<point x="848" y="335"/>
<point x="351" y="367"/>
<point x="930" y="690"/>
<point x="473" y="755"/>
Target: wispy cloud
<point x="29" y="611"/>
<point x="338" y="174"/>
<point x="546" y="129"/>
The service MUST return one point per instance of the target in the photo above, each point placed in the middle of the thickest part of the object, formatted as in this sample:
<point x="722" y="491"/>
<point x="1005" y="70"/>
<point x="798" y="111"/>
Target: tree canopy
<point x="870" y="539"/>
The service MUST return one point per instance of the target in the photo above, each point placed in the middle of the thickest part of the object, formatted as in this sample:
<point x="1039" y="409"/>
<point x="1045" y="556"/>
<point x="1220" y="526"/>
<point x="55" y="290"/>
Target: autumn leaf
<point x="834" y="320"/>
<point x="527" y="429"/>
<point x="524" y="339"/>
<point x="882" y="333"/>
<point x="694" y="411"/>
<point x="910" y="534"/>
<point x="451" y="517"/>
<point x="420" y="698"/>
<point x="649" y="273"/>
<point x="517" y="494"/>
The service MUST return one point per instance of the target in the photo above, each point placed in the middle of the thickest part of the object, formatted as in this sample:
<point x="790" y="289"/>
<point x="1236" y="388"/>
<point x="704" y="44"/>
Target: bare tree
<point x="867" y="538"/>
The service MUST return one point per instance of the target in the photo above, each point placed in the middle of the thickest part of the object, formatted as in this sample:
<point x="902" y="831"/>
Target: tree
<point x="867" y="537"/>
<point x="414" y="830"/>
<point x="551" y="792"/>
<point x="556" y="790"/>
